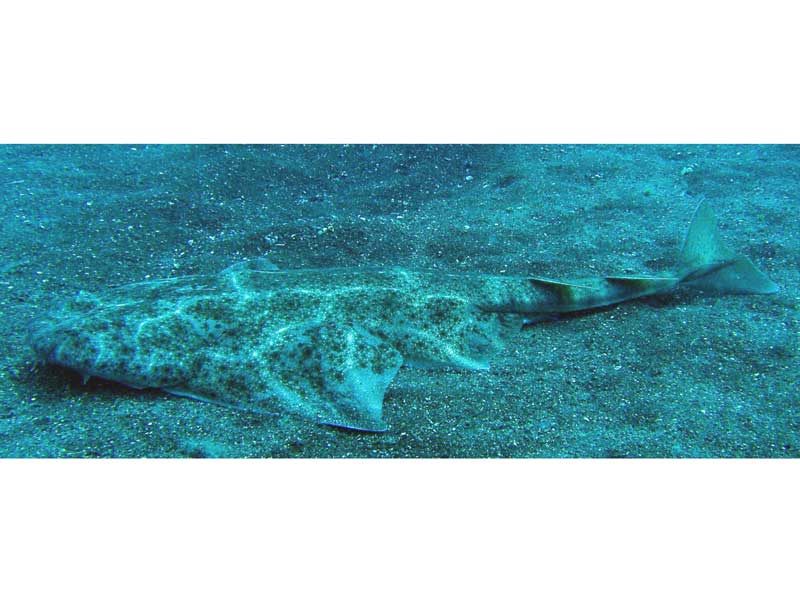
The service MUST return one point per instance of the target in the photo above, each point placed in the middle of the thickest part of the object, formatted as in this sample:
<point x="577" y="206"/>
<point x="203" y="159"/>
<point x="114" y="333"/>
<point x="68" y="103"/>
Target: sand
<point x="686" y="375"/>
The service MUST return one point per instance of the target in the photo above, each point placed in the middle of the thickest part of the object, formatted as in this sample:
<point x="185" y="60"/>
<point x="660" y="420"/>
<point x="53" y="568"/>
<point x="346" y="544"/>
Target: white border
<point x="423" y="72"/>
<point x="307" y="71"/>
<point x="490" y="528"/>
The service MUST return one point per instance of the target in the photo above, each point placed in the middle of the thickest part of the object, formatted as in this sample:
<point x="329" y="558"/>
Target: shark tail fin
<point x="707" y="263"/>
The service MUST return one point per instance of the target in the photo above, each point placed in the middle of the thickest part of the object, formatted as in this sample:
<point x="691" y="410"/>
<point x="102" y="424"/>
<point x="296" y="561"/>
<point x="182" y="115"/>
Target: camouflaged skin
<point x="323" y="344"/>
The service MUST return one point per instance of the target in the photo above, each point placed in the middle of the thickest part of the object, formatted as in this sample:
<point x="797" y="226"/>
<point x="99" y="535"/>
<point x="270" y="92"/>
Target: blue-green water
<point x="686" y="375"/>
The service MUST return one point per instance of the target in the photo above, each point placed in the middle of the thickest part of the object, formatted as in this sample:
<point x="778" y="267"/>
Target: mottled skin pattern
<point x="325" y="343"/>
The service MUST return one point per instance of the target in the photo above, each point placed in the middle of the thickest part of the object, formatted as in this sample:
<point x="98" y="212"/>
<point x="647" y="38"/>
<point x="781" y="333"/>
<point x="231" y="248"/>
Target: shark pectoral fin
<point x="337" y="374"/>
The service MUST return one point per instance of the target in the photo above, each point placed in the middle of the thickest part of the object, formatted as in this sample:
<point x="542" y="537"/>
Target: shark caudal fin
<point x="707" y="263"/>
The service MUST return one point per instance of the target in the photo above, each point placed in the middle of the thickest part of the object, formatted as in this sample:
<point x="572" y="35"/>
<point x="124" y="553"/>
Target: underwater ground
<point x="686" y="375"/>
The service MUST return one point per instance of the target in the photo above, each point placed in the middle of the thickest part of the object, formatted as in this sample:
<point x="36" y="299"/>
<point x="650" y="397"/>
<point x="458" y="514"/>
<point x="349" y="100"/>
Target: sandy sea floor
<point x="687" y="375"/>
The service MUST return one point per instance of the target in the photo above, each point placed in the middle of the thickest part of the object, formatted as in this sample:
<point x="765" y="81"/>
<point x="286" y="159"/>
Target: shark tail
<point x="707" y="263"/>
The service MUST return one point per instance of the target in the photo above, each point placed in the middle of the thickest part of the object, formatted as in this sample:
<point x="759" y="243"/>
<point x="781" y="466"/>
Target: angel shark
<point x="325" y="344"/>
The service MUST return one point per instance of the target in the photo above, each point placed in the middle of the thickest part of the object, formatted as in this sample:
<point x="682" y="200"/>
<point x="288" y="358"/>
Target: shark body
<point x="325" y="344"/>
